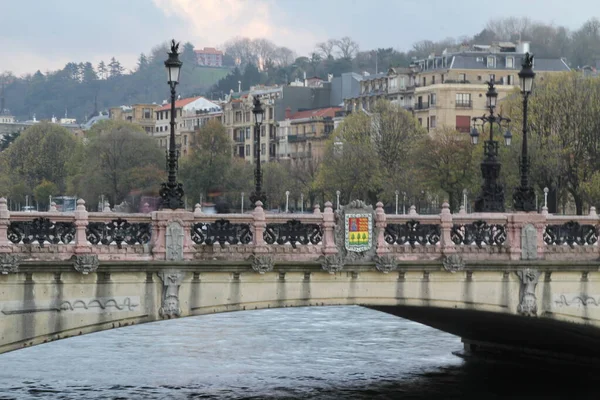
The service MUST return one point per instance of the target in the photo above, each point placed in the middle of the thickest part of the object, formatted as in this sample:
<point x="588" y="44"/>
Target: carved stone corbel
<point x="527" y="300"/>
<point x="261" y="263"/>
<point x="333" y="263"/>
<point x="9" y="263"/>
<point x="170" y="299"/>
<point x="386" y="263"/>
<point x="85" y="263"/>
<point x="453" y="263"/>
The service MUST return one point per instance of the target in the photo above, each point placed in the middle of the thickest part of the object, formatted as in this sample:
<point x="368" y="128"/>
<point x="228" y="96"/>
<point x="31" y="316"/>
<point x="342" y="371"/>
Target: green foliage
<point x="43" y="191"/>
<point x="120" y="158"/>
<point x="205" y="171"/>
<point x="351" y="164"/>
<point x="42" y="152"/>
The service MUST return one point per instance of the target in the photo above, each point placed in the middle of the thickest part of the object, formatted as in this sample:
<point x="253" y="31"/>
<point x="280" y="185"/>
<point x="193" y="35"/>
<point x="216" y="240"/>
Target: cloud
<point x="213" y="22"/>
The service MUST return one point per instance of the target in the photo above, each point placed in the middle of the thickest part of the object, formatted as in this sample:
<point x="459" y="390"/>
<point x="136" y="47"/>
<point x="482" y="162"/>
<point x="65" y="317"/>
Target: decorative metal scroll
<point x="571" y="233"/>
<point x="41" y="230"/>
<point x="413" y="233"/>
<point x="118" y="231"/>
<point x="480" y="233"/>
<point x="293" y="232"/>
<point x="221" y="231"/>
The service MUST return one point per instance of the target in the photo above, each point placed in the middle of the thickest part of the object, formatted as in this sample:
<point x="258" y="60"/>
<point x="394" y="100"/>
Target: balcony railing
<point x="422" y="106"/>
<point x="464" y="104"/>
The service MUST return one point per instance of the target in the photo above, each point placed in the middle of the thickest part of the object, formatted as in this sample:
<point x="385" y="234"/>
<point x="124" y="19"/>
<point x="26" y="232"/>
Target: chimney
<point x="305" y="81"/>
<point x="288" y="113"/>
<point x="239" y="86"/>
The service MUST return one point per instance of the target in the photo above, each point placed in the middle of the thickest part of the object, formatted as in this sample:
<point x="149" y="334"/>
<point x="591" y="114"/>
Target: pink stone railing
<point x="455" y="234"/>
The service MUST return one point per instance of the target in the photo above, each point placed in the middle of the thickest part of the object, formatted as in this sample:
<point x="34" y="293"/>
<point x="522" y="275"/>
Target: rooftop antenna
<point x="239" y="86"/>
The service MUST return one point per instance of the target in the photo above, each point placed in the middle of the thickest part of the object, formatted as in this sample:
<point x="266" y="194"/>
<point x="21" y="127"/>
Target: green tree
<point x="205" y="170"/>
<point x="119" y="158"/>
<point x="43" y="191"/>
<point x="351" y="164"/>
<point x="41" y="152"/>
<point x="446" y="161"/>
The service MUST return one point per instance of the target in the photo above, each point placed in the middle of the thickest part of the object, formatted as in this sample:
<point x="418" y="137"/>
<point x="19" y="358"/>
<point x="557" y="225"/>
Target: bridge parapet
<point x="182" y="235"/>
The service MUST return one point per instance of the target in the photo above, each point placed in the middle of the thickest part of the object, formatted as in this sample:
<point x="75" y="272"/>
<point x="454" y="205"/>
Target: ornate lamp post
<point x="491" y="198"/>
<point x="258" y="194"/>
<point x="524" y="196"/>
<point x="171" y="192"/>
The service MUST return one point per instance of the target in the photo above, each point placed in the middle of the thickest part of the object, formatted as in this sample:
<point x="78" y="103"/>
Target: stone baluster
<point x="380" y="224"/>
<point x="259" y="224"/>
<point x="448" y="246"/>
<point x="198" y="210"/>
<point x="81" y="223"/>
<point x="317" y="210"/>
<point x="412" y="210"/>
<point x="328" y="230"/>
<point x="5" y="245"/>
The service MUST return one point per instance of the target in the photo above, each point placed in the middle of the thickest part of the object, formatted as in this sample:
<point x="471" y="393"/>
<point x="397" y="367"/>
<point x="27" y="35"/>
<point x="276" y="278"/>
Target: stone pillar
<point x="380" y="224"/>
<point x="171" y="232"/>
<point x="81" y="223"/>
<point x="317" y="210"/>
<point x="328" y="227"/>
<point x="448" y="247"/>
<point x="259" y="224"/>
<point x="5" y="244"/>
<point x="525" y="243"/>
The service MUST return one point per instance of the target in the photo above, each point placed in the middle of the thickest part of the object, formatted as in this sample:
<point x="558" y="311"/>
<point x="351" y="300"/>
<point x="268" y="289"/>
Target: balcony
<point x="464" y="104"/>
<point x="422" y="106"/>
<point x="296" y="138"/>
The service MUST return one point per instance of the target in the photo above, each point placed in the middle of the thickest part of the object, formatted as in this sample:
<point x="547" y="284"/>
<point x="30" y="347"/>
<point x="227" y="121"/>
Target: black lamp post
<point x="491" y="198"/>
<point x="524" y="196"/>
<point x="258" y="194"/>
<point x="171" y="192"/>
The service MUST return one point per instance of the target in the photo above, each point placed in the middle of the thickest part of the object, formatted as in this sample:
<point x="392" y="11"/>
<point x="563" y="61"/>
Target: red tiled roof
<point x="318" y="112"/>
<point x="209" y="50"/>
<point x="179" y="103"/>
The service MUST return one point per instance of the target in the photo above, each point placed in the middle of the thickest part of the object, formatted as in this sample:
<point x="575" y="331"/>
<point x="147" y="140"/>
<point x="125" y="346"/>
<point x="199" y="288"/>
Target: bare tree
<point x="347" y="47"/>
<point x="511" y="28"/>
<point x="284" y="56"/>
<point x="242" y="50"/>
<point x="326" y="48"/>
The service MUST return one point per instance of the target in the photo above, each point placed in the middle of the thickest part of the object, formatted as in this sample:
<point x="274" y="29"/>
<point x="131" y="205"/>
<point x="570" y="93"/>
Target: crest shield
<point x="358" y="231"/>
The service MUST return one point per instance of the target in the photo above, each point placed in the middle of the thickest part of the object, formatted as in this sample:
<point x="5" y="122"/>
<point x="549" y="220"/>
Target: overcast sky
<point x="45" y="35"/>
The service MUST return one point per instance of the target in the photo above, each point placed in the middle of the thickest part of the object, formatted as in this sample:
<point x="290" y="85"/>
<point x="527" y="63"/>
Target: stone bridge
<point x="525" y="282"/>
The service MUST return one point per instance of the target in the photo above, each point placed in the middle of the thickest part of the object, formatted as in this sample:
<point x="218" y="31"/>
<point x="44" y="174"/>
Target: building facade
<point x="139" y="114"/>
<point x="190" y="115"/>
<point x="396" y="85"/>
<point x="450" y="88"/>
<point x="209" y="57"/>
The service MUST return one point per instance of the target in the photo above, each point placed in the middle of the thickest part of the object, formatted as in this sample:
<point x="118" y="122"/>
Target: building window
<point x="479" y="78"/>
<point x="432" y="99"/>
<point x="463" y="99"/>
<point x="262" y="130"/>
<point x="462" y="78"/>
<point x="432" y="121"/>
<point x="421" y="121"/>
<point x="492" y="77"/>
<point x="147" y="113"/>
<point x="491" y="62"/>
<point x="248" y="149"/>
<point x="424" y="81"/>
<point x="263" y="148"/>
<point x="433" y="80"/>
<point x="510" y="80"/>
<point x="185" y="140"/>
<point x="510" y="62"/>
<point x="463" y="123"/>
<point x="393" y="83"/>
<point x="248" y="117"/>
<point x="247" y="133"/>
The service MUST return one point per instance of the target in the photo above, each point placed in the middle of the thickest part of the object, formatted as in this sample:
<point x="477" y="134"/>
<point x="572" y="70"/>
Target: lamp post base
<point x="524" y="199"/>
<point x="171" y="195"/>
<point x="491" y="199"/>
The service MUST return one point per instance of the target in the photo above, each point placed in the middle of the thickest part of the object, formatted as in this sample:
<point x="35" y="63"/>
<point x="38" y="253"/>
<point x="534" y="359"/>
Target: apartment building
<point x="302" y="135"/>
<point x="396" y="85"/>
<point x="139" y="114"/>
<point x="450" y="88"/>
<point x="190" y="115"/>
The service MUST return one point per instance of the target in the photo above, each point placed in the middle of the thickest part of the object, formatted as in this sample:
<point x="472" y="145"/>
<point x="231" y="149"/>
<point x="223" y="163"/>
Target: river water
<point x="292" y="353"/>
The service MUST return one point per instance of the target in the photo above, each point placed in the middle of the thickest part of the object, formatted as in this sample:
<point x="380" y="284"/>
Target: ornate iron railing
<point x="41" y="230"/>
<point x="571" y="233"/>
<point x="221" y="231"/>
<point x="293" y="232"/>
<point x="118" y="231"/>
<point x="413" y="233"/>
<point x="480" y="233"/>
